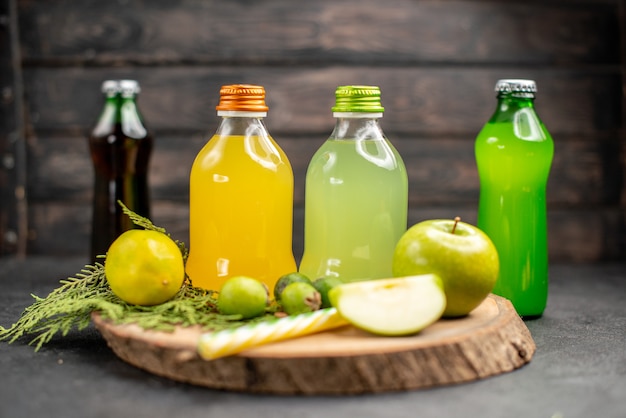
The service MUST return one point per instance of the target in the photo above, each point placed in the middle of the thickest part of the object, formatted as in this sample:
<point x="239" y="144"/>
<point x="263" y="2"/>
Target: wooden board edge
<point x="502" y="346"/>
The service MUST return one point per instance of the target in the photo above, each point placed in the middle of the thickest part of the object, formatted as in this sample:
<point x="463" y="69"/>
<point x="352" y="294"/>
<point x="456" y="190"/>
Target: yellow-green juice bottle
<point x="356" y="194"/>
<point x="514" y="153"/>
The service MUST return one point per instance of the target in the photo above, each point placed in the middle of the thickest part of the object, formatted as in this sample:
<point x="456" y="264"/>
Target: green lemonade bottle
<point x="356" y="194"/>
<point x="514" y="153"/>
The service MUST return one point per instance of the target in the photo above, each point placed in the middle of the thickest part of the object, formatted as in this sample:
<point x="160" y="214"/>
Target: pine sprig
<point x="147" y="224"/>
<point x="73" y="302"/>
<point x="71" y="305"/>
<point x="66" y="307"/>
<point x="140" y="220"/>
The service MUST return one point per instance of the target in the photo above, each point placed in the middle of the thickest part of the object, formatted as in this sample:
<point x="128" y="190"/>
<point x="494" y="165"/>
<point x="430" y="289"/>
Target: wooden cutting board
<point x="493" y="339"/>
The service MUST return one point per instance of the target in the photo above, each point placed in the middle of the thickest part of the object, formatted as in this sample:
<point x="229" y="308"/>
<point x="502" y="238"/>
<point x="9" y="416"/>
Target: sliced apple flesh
<point x="392" y="307"/>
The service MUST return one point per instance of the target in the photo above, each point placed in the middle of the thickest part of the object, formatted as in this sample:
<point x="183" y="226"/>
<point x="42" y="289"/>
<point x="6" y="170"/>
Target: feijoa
<point x="286" y="280"/>
<point x="299" y="298"/>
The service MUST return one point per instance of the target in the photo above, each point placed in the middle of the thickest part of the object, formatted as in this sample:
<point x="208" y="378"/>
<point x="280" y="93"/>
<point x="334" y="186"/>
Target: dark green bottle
<point x="120" y="147"/>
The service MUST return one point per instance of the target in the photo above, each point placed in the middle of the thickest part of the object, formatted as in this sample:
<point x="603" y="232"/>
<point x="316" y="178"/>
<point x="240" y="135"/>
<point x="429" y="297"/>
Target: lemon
<point x="392" y="307"/>
<point x="144" y="267"/>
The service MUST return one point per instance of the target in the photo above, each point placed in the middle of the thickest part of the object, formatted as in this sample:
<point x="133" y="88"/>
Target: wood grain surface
<point x="436" y="63"/>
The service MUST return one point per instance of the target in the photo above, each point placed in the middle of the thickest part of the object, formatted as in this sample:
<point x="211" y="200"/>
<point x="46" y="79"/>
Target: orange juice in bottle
<point x="240" y="198"/>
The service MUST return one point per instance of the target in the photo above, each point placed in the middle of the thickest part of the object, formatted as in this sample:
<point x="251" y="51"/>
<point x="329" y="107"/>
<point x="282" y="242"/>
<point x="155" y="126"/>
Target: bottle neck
<point x="245" y="124"/>
<point x="131" y="119"/>
<point x="111" y="108"/>
<point x="362" y="126"/>
<point x="109" y="117"/>
<point x="508" y="105"/>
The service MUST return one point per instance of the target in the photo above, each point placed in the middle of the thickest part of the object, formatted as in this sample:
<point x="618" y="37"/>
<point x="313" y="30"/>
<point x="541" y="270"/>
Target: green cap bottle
<point x="356" y="194"/>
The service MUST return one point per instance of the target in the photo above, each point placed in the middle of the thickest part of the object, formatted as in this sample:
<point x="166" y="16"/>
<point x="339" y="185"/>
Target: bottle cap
<point x="129" y="88"/>
<point x="242" y="98"/>
<point x="517" y="87"/>
<point x="110" y="87"/>
<point x="363" y="99"/>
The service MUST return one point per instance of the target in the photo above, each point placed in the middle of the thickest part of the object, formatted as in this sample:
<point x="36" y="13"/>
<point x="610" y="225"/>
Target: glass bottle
<point x="120" y="147"/>
<point x="356" y="194"/>
<point x="241" y="197"/>
<point x="514" y="153"/>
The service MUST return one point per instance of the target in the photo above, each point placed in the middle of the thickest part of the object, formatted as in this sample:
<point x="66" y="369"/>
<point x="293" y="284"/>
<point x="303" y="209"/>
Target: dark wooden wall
<point x="435" y="61"/>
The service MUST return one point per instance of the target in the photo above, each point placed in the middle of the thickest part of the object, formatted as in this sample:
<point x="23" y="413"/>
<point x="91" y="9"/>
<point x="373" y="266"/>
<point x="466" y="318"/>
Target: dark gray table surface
<point x="579" y="369"/>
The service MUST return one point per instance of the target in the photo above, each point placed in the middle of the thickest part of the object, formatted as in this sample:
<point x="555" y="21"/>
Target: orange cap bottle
<point x="241" y="197"/>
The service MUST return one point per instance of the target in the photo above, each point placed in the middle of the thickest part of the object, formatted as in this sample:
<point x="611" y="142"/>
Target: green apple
<point x="392" y="307"/>
<point x="461" y="254"/>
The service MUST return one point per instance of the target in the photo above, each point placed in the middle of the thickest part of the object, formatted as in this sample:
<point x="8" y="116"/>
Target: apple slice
<point x="392" y="307"/>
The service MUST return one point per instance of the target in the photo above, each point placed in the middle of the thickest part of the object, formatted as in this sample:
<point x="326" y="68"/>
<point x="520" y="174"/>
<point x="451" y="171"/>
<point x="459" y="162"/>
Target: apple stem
<point x="456" y="221"/>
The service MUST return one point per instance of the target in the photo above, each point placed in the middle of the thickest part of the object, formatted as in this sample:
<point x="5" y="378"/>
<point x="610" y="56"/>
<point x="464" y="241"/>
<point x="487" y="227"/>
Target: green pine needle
<point x="72" y="303"/>
<point x="68" y="306"/>
<point x="146" y="223"/>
